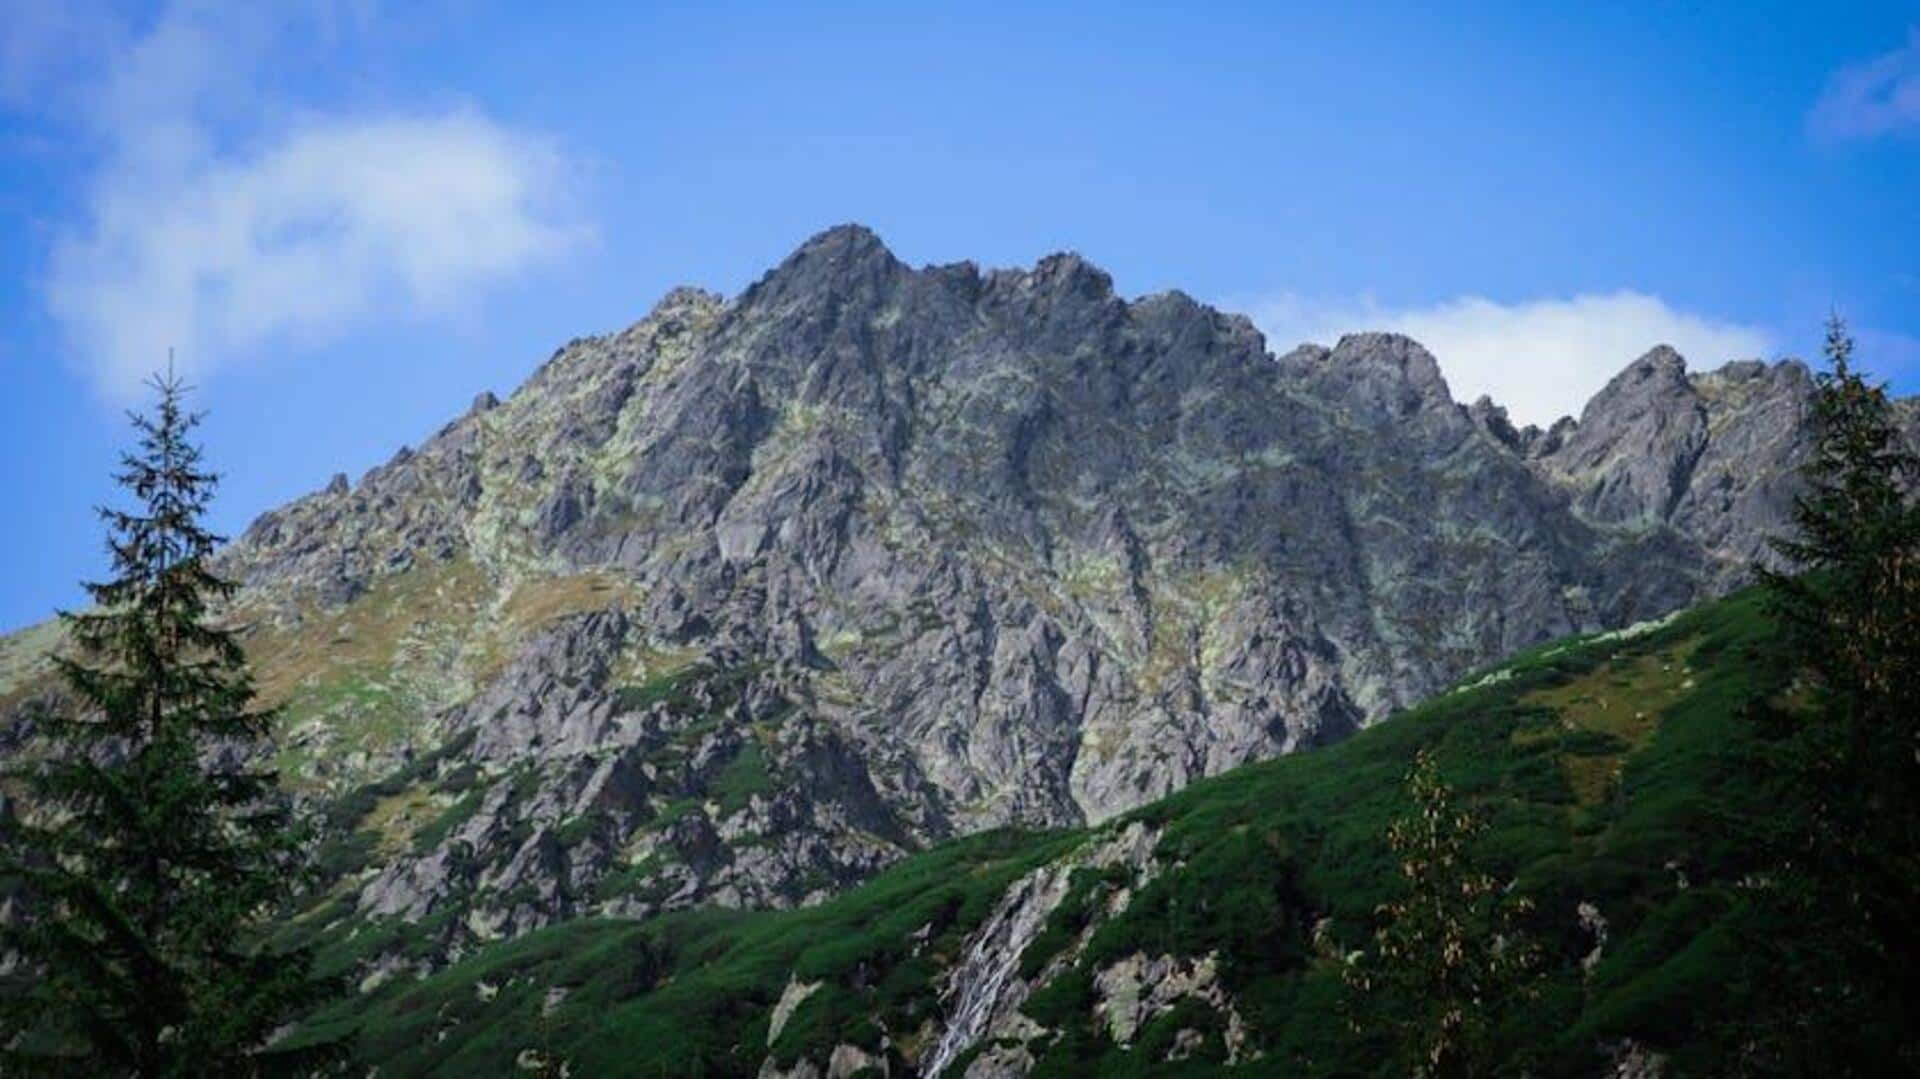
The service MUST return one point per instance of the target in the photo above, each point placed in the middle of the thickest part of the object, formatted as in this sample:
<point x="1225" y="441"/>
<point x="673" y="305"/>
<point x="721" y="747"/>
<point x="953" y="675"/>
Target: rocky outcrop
<point x="1712" y="456"/>
<point x="738" y="604"/>
<point x="1136" y="990"/>
<point x="984" y="991"/>
<point x="1633" y="454"/>
<point x="578" y="797"/>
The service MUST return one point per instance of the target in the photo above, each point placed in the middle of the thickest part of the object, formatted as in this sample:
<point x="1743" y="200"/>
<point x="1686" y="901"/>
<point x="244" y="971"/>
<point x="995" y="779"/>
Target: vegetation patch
<point x="398" y="816"/>
<point x="1277" y="869"/>
<point x="687" y="993"/>
<point x="436" y="831"/>
<point x="543" y="601"/>
<point x="25" y="660"/>
<point x="1621" y="702"/>
<point x="744" y="776"/>
<point x="363" y="677"/>
<point x="1087" y="888"/>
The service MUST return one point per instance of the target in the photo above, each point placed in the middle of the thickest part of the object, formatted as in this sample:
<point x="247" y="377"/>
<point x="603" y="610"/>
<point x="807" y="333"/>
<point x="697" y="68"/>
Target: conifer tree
<point x="1848" y="862"/>
<point x="1852" y="604"/>
<point x="151" y="848"/>
<point x="1449" y="956"/>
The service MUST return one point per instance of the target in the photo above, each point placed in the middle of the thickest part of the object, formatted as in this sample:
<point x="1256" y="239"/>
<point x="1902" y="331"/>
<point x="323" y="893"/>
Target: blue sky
<point x="349" y="217"/>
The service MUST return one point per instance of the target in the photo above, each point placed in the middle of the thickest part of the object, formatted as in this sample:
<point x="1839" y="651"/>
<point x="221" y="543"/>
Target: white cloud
<point x="1872" y="98"/>
<point x="220" y="245"/>
<point x="1889" y="354"/>
<point x="331" y="225"/>
<point x="1542" y="359"/>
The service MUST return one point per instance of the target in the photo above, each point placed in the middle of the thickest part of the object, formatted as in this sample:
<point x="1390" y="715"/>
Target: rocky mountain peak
<point x="839" y="253"/>
<point x="1661" y="357"/>
<point x="1400" y="359"/>
<point x="1714" y="454"/>
<point x="746" y="600"/>
<point x="1384" y="378"/>
<point x="1657" y="379"/>
<point x="851" y="240"/>
<point x="683" y="302"/>
<point x="834" y="282"/>
<point x="1066" y="272"/>
<point x="1749" y="380"/>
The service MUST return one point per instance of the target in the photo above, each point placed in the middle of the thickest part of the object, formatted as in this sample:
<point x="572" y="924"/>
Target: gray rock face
<point x="1711" y="456"/>
<point x="1637" y="443"/>
<point x="774" y="589"/>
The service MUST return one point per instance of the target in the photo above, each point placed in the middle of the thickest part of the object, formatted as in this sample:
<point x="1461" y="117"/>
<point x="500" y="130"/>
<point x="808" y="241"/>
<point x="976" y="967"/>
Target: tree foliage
<point x="1848" y="862"/>
<point x="1853" y="606"/>
<point x="151" y="847"/>
<point x="1449" y="955"/>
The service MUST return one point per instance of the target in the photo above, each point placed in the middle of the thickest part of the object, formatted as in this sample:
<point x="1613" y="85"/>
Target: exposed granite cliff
<point x="740" y="603"/>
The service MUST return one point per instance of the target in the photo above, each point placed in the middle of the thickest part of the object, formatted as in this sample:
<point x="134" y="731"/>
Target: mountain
<point x="741" y="605"/>
<point x="1209" y="929"/>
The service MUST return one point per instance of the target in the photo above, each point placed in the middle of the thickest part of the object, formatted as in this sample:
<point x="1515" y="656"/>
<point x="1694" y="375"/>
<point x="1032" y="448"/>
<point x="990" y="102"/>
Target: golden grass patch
<point x="540" y="602"/>
<point x="1623" y="699"/>
<point x="397" y="817"/>
<point x="367" y="635"/>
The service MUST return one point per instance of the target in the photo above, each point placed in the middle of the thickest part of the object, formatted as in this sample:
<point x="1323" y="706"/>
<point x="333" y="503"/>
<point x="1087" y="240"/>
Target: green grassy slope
<point x="1613" y="772"/>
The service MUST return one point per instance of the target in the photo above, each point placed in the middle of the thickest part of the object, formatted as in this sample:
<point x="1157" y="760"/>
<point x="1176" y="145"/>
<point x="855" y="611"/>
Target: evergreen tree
<point x="1449" y="956"/>
<point x="151" y="850"/>
<point x="1848" y="861"/>
<point x="1853" y="605"/>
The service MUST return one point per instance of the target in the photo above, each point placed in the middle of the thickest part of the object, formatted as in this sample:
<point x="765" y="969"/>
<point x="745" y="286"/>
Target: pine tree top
<point x="156" y="842"/>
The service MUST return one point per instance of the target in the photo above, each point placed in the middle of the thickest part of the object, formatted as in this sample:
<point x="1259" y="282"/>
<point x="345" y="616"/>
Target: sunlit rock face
<point x="741" y="603"/>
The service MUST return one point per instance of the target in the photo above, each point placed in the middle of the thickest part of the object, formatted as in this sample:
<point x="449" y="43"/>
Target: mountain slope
<point x="1209" y="928"/>
<point x="744" y="603"/>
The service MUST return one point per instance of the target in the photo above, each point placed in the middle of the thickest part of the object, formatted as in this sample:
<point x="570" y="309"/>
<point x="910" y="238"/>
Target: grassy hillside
<point x="1613" y="772"/>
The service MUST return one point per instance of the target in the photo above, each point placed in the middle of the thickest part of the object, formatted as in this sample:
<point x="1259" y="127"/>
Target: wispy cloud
<point x="1542" y="359"/>
<point x="1888" y="354"/>
<point x="222" y="221"/>
<point x="1876" y="97"/>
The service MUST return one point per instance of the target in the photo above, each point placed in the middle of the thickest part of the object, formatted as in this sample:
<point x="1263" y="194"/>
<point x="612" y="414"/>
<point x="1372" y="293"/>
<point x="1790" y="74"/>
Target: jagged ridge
<point x="743" y="603"/>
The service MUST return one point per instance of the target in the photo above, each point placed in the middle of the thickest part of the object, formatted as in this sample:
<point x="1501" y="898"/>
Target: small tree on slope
<point x="1449" y="956"/>
<point x="151" y="851"/>
<point x="1850" y="858"/>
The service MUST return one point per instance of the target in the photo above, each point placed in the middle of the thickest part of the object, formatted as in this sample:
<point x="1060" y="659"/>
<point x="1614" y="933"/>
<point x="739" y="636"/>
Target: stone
<point x="779" y="588"/>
